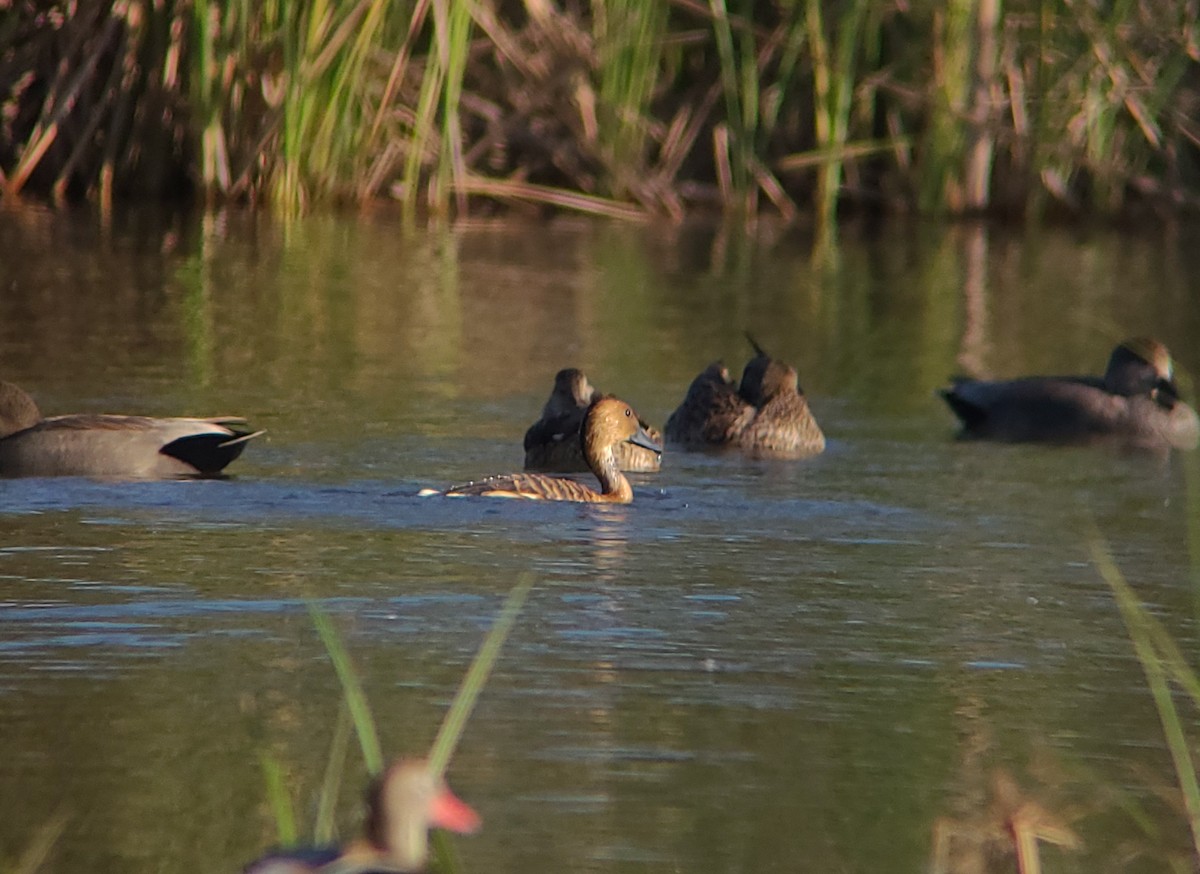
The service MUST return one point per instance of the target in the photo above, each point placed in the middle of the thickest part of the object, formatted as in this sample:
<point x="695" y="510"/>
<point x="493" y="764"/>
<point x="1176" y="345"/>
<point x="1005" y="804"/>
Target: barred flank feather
<point x="531" y="486"/>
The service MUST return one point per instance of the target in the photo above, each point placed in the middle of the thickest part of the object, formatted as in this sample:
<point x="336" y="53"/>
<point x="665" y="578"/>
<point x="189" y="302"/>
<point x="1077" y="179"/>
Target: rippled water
<point x="757" y="666"/>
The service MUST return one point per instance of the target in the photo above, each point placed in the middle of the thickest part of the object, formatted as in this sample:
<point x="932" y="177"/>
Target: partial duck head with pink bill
<point x="402" y="805"/>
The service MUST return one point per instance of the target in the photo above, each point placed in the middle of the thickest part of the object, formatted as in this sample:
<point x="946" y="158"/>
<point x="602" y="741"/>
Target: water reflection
<point x="974" y="351"/>
<point x="756" y="665"/>
<point x="995" y="823"/>
<point x="610" y="553"/>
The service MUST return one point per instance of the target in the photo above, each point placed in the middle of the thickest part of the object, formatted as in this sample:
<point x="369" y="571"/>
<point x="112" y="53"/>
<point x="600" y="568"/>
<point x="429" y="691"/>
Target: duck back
<point x="123" y="447"/>
<point x="1068" y="409"/>
<point x="783" y="428"/>
<point x="712" y="414"/>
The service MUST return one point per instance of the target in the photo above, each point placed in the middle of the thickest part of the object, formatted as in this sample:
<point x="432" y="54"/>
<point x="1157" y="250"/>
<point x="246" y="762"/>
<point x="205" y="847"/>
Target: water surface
<point x="757" y="666"/>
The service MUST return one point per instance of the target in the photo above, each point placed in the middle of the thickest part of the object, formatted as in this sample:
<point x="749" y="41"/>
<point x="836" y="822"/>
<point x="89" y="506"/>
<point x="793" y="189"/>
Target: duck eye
<point x="628" y="412"/>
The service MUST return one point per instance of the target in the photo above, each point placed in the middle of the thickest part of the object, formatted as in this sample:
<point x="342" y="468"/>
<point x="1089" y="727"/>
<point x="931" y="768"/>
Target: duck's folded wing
<point x="531" y="486"/>
<point x="1035" y="408"/>
<point x="712" y="414"/>
<point x="784" y="428"/>
<point x="124" y="446"/>
<point x="552" y="445"/>
<point x="554" y="430"/>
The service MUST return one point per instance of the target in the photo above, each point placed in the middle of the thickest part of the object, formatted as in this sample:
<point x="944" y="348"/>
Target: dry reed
<point x="619" y="108"/>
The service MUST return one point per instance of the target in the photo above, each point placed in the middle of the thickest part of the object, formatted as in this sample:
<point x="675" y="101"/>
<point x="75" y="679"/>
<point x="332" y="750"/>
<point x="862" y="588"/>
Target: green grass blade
<point x="477" y="675"/>
<point x="445" y="858"/>
<point x="352" y="690"/>
<point x="35" y="855"/>
<point x="452" y="168"/>
<point x="423" y="127"/>
<point x="1139" y="624"/>
<point x="279" y="801"/>
<point x="730" y="87"/>
<point x="1164" y="645"/>
<point x="325" y="828"/>
<point x="629" y="36"/>
<point x="1191" y="476"/>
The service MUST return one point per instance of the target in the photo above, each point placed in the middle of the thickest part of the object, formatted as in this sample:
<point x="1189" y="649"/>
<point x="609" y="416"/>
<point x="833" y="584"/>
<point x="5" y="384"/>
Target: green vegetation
<point x="352" y="691"/>
<point x="476" y="677"/>
<point x="1164" y="664"/>
<point x="357" y="713"/>
<point x="620" y="108"/>
<point x="37" y="854"/>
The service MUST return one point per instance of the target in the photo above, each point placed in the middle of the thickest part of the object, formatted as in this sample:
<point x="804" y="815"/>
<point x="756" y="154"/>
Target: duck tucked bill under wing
<point x="1135" y="404"/>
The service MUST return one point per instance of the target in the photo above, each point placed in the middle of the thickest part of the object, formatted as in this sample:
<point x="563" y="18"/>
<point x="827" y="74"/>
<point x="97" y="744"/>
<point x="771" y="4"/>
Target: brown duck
<point x="402" y="806"/>
<point x="1135" y="404"/>
<point x="552" y="443"/>
<point x="607" y="423"/>
<point x="121" y="447"/>
<point x="712" y="414"/>
<point x="765" y="415"/>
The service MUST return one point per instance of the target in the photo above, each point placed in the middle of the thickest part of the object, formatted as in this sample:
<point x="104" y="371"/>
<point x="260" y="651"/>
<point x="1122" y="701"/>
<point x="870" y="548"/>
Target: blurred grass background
<point x="803" y="107"/>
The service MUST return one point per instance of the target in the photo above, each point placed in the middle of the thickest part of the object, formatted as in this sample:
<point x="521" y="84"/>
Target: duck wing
<point x="784" y="428"/>
<point x="552" y="444"/>
<point x="531" y="486"/>
<point x="1043" y="408"/>
<point x="712" y="413"/>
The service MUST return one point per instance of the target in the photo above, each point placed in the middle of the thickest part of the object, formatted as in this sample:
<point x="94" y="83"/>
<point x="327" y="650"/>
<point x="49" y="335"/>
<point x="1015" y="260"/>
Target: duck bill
<point x="453" y="814"/>
<point x="1166" y="393"/>
<point x="642" y="439"/>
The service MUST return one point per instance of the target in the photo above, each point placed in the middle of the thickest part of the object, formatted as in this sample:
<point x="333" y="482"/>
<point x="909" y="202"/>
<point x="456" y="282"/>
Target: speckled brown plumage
<point x="766" y="415"/>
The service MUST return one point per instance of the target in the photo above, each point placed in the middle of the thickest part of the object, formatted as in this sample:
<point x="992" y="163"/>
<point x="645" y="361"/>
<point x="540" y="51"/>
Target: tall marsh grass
<point x="618" y="107"/>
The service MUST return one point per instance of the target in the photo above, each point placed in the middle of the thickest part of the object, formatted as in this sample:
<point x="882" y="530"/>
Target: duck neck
<point x="403" y="841"/>
<point x="396" y="826"/>
<point x="409" y="845"/>
<point x="613" y="483"/>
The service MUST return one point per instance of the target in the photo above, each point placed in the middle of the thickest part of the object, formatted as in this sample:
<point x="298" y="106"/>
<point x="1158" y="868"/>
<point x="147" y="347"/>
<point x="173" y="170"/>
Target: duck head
<point x="716" y="375"/>
<point x="610" y="421"/>
<point x="403" y="804"/>
<point x="1142" y="366"/>
<point x="571" y="391"/>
